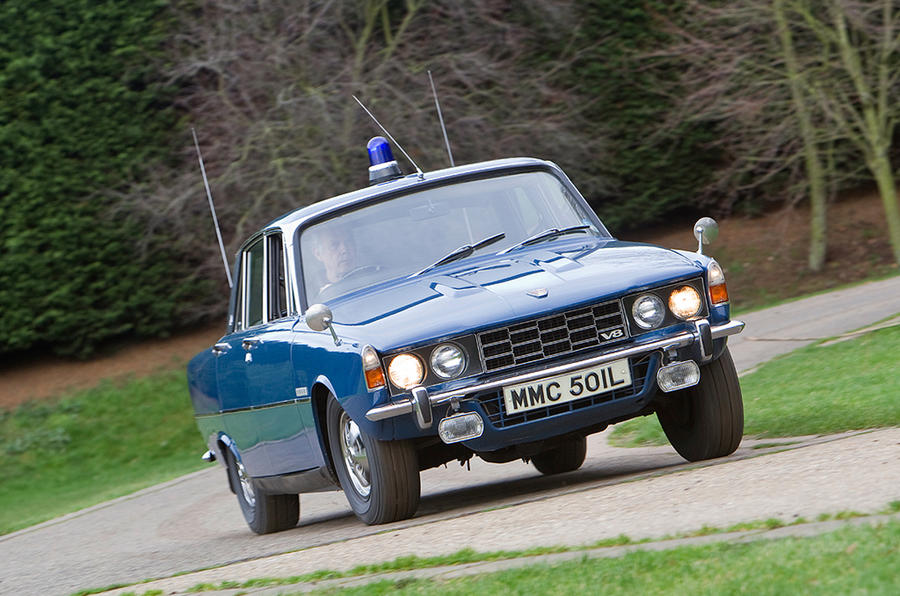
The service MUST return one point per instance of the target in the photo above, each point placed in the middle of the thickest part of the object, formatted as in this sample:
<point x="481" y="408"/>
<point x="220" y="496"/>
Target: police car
<point x="480" y="310"/>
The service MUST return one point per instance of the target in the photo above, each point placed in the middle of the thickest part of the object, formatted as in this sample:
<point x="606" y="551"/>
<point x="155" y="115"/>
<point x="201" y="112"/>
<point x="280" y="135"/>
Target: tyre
<point x="567" y="457"/>
<point x="706" y="420"/>
<point x="264" y="513"/>
<point x="379" y="478"/>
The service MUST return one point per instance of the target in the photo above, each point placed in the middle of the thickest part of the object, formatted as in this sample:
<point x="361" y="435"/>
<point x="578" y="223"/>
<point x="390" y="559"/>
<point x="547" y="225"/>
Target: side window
<point x="253" y="279"/>
<point x="277" y="282"/>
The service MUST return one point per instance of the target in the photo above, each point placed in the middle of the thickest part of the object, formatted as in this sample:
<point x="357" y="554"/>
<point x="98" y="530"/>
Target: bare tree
<point x="777" y="77"/>
<point x="268" y="87"/>
<point x="859" y="88"/>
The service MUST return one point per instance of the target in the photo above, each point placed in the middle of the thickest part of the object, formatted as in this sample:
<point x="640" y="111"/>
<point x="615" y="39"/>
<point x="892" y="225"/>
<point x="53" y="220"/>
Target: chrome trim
<point x="680" y="340"/>
<point x="422" y="407"/>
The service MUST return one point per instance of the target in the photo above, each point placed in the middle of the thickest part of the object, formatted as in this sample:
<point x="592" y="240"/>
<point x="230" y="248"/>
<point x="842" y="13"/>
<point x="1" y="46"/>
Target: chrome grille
<point x="495" y="408"/>
<point x="555" y="335"/>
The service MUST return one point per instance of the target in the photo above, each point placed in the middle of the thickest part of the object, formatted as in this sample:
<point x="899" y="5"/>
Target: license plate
<point x="569" y="387"/>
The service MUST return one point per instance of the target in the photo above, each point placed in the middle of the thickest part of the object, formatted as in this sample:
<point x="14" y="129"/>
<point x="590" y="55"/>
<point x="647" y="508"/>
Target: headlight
<point x="684" y="302"/>
<point x="648" y="311"/>
<point x="406" y="371"/>
<point x="448" y="361"/>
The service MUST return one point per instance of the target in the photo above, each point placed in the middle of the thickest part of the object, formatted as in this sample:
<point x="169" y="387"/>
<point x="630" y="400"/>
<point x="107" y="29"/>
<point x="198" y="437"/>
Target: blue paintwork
<point x="261" y="401"/>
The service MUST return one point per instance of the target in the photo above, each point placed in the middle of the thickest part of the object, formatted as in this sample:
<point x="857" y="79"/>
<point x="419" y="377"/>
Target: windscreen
<point x="404" y="235"/>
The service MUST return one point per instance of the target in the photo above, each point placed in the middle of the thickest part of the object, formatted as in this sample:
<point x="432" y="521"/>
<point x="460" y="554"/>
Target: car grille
<point x="495" y="408"/>
<point x="555" y="335"/>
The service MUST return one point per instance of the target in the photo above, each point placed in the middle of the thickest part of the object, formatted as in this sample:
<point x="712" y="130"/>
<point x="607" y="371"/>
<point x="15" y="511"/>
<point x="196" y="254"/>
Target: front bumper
<point x="421" y="403"/>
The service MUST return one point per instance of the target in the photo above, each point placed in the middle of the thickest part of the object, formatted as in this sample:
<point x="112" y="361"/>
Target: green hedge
<point x="654" y="173"/>
<point x="81" y="117"/>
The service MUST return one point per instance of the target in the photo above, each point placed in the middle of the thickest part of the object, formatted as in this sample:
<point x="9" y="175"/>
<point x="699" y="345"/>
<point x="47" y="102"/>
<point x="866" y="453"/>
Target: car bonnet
<point x="491" y="291"/>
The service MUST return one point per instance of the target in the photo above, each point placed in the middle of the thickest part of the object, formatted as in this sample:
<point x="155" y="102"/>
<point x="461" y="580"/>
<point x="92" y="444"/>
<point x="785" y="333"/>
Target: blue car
<point x="481" y="310"/>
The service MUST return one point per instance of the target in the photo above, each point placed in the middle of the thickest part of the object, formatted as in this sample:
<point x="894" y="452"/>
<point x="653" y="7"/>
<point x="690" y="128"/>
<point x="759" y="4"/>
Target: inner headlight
<point x="448" y="361"/>
<point x="406" y="371"/>
<point x="685" y="302"/>
<point x="648" y="311"/>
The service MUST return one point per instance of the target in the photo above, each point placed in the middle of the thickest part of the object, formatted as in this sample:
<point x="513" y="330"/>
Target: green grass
<point x="851" y="560"/>
<point x="63" y="455"/>
<point x="815" y="390"/>
<point x="468" y="556"/>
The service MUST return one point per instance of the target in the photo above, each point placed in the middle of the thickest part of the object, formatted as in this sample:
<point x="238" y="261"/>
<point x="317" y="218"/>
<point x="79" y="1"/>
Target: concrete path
<point x="782" y="329"/>
<point x="194" y="522"/>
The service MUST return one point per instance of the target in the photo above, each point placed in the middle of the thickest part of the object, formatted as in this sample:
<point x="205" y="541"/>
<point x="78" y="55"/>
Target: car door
<point x="283" y="414"/>
<point x="234" y="354"/>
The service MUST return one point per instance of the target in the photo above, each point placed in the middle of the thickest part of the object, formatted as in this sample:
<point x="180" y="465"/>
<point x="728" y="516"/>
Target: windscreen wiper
<point x="547" y="234"/>
<point x="462" y="252"/>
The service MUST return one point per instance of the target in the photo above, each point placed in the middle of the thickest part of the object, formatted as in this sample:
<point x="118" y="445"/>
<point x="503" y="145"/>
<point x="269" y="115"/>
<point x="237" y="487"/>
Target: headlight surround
<point x="685" y="302"/>
<point x="406" y="371"/>
<point x="648" y="311"/>
<point x="448" y="361"/>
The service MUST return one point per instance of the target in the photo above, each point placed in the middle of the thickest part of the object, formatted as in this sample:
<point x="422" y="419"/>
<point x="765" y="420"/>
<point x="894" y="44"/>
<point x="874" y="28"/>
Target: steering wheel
<point x="340" y="286"/>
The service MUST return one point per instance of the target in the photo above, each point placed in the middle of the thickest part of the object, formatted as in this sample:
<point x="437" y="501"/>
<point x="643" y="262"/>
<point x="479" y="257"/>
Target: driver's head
<point x="335" y="249"/>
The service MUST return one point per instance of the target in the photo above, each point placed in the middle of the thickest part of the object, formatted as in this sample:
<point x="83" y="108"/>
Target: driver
<point x="336" y="252"/>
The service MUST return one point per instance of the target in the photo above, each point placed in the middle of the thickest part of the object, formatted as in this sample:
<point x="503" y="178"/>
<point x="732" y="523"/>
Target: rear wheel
<point x="264" y="513"/>
<point x="566" y="457"/>
<point x="706" y="420"/>
<point x="379" y="478"/>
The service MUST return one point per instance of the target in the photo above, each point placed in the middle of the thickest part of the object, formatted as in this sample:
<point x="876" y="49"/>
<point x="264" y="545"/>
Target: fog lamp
<point x="460" y="427"/>
<point x="678" y="375"/>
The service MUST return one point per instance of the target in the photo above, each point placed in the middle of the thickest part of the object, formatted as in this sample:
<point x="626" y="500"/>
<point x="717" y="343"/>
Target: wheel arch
<point x="321" y="392"/>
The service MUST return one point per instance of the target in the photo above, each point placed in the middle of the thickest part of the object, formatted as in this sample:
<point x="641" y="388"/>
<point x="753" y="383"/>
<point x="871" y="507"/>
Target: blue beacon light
<point x="382" y="165"/>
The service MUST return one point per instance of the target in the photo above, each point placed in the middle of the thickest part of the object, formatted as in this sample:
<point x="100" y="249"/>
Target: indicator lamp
<point x="382" y="165"/>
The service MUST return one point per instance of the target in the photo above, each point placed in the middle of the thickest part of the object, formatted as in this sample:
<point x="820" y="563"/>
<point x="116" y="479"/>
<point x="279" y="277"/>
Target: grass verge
<point x="814" y="390"/>
<point x="814" y="554"/>
<point x="63" y="455"/>
<point x="851" y="560"/>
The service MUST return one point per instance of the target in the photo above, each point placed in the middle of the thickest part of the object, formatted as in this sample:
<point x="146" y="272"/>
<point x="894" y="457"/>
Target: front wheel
<point x="379" y="478"/>
<point x="264" y="513"/>
<point x="706" y="420"/>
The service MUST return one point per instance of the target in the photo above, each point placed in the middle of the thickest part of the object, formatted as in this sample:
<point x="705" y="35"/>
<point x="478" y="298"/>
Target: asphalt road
<point x="194" y="523"/>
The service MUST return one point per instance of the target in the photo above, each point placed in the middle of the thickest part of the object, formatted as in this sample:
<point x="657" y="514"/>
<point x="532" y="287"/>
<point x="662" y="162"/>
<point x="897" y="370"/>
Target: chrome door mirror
<point x="318" y="318"/>
<point x="706" y="230"/>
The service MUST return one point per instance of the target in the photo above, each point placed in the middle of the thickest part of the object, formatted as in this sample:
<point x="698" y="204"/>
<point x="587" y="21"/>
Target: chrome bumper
<point x="421" y="403"/>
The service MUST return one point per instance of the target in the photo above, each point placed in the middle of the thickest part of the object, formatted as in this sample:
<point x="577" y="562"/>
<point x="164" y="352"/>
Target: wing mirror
<point x="706" y="230"/>
<point x="319" y="318"/>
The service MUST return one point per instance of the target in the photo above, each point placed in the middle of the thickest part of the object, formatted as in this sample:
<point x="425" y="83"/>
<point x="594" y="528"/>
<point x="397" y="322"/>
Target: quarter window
<point x="253" y="298"/>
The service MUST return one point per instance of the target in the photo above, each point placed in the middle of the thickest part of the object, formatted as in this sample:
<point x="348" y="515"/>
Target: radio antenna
<point x="393" y="140"/>
<point x="441" y="118"/>
<point x="212" y="209"/>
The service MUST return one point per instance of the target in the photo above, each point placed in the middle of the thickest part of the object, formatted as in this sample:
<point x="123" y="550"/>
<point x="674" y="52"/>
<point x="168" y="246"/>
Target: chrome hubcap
<point x="246" y="485"/>
<point x="356" y="462"/>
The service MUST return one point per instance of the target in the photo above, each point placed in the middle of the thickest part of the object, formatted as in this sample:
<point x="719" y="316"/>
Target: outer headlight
<point x="448" y="361"/>
<point x="406" y="371"/>
<point x="648" y="311"/>
<point x="685" y="302"/>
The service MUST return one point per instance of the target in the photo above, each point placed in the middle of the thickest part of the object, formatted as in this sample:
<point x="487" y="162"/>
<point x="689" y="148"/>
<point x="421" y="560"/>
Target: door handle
<point x="250" y="343"/>
<point x="221" y="348"/>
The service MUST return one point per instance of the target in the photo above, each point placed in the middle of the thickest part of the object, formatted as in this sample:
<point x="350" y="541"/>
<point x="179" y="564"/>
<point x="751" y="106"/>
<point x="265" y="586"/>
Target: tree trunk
<point x="887" y="188"/>
<point x="814" y="170"/>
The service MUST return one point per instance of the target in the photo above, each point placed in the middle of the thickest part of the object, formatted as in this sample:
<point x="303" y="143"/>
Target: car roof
<point x="303" y="214"/>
